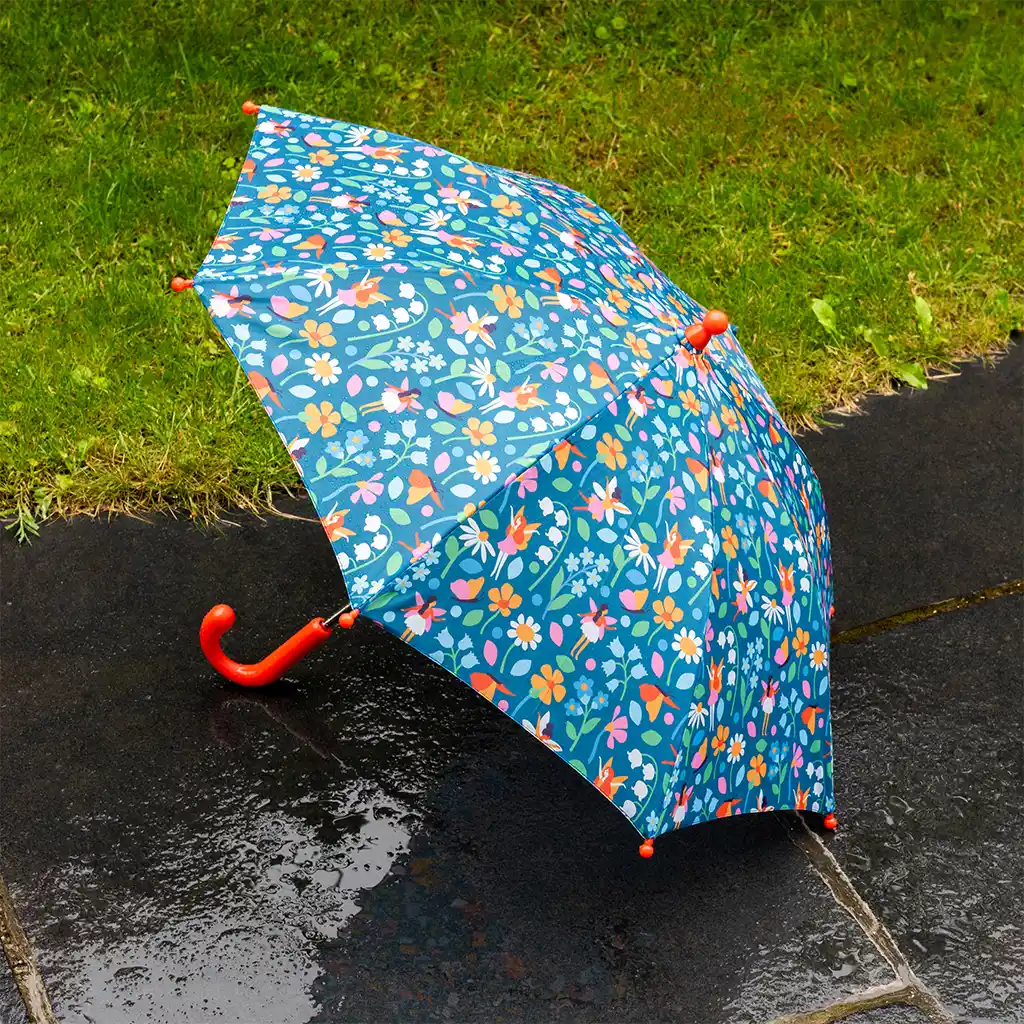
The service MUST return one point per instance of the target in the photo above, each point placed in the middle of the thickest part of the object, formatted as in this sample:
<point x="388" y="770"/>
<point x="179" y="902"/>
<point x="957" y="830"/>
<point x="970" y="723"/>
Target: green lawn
<point x="765" y="155"/>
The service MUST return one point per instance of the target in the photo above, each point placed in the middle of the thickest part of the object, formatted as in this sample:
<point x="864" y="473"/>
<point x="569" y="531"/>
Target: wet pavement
<point x="364" y="846"/>
<point x="363" y="843"/>
<point x="11" y="1008"/>
<point x="934" y="836"/>
<point x="889" y="1015"/>
<point x="924" y="491"/>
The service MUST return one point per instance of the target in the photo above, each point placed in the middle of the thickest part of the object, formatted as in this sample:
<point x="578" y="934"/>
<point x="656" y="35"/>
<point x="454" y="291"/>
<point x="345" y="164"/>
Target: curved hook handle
<point x="220" y="618"/>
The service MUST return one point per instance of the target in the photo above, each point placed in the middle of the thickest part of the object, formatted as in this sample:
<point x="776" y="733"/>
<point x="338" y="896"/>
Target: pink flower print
<point x="506" y="249"/>
<point x="616" y="728"/>
<point x="555" y="371"/>
<point x="675" y="496"/>
<point x="528" y="481"/>
<point x="368" y="491"/>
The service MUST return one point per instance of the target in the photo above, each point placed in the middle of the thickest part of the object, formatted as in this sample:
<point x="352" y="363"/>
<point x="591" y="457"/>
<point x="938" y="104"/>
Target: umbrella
<point x="538" y="461"/>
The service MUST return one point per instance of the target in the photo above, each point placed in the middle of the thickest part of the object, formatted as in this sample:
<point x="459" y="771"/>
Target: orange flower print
<point x="721" y="740"/>
<point x="638" y="346"/>
<point x="504" y="599"/>
<point x="397" y="237"/>
<point x="506" y="207"/>
<point x="757" y="770"/>
<point x="274" y="193"/>
<point x="800" y="641"/>
<point x="615" y="298"/>
<point x="324" y="420"/>
<point x="318" y="334"/>
<point x="610" y="452"/>
<point x="667" y="613"/>
<point x="548" y="685"/>
<point x="324" y="157"/>
<point x="691" y="403"/>
<point x="479" y="432"/>
<point x="730" y="542"/>
<point x="506" y="300"/>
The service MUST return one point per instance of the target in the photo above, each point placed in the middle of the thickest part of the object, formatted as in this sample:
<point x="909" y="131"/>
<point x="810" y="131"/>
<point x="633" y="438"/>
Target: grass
<point x="843" y="179"/>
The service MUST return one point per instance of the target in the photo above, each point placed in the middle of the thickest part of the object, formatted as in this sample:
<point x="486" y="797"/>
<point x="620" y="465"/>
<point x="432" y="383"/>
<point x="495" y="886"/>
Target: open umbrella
<point x="538" y="461"/>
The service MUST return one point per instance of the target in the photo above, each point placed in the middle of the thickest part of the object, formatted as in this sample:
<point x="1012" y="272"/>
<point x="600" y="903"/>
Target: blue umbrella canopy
<point x="539" y="462"/>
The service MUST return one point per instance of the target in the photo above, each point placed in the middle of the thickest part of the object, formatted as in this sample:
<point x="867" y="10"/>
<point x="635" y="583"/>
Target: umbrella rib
<point x="783" y="492"/>
<point x="711" y="519"/>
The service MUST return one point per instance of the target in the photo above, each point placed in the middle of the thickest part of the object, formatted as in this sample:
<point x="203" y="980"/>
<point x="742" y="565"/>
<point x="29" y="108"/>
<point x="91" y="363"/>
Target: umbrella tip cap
<point x="647" y="849"/>
<point x="715" y="322"/>
<point x="831" y="822"/>
<point x="180" y="284"/>
<point x="348" y="619"/>
<point x="250" y="108"/>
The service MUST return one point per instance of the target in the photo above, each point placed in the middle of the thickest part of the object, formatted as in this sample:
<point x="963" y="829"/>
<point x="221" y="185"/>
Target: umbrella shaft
<point x="331" y="620"/>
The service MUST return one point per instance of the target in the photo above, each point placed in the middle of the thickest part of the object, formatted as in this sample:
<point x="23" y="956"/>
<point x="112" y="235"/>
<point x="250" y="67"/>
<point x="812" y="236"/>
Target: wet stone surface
<point x="929" y="769"/>
<point x="365" y="845"/>
<point x="924" y="491"/>
<point x="888" y="1015"/>
<point x="12" y="1010"/>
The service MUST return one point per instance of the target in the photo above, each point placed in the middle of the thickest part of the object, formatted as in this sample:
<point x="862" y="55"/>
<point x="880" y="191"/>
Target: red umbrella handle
<point x="220" y="618"/>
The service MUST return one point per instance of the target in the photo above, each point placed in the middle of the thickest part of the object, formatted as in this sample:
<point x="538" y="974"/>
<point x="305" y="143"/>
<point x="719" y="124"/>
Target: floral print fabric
<point x="527" y="473"/>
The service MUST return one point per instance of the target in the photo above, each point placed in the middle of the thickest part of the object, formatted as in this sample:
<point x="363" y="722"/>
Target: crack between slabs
<point x="952" y="604"/>
<point x="23" y="963"/>
<point x="907" y="988"/>
<point x="896" y="993"/>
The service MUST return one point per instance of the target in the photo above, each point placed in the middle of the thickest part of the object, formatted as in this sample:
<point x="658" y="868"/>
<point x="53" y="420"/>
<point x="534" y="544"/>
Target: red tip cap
<point x="250" y="108"/>
<point x="831" y="823"/>
<point x="714" y="322"/>
<point x="180" y="284"/>
<point x="697" y="336"/>
<point x="647" y="849"/>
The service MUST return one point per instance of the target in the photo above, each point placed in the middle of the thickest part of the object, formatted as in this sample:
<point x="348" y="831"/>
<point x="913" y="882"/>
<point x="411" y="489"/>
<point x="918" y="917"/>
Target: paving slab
<point x="925" y="491"/>
<point x="928" y="728"/>
<point x="363" y="845"/>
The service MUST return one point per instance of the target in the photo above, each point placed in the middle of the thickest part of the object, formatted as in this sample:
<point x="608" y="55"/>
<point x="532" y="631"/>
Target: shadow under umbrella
<point x="521" y="897"/>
